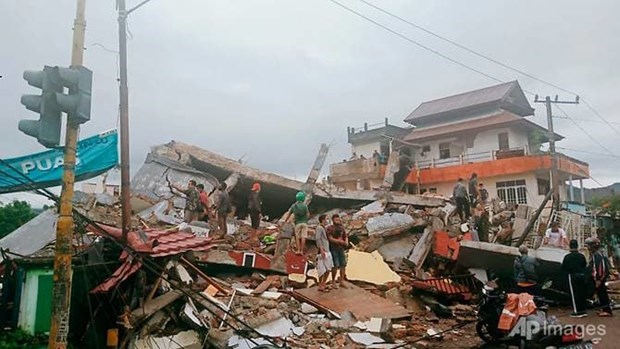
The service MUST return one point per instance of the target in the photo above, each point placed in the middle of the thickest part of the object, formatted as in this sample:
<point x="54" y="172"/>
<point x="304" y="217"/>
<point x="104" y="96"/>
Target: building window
<point x="543" y="186"/>
<point x="444" y="150"/>
<point x="512" y="192"/>
<point x="426" y="148"/>
<point x="502" y="138"/>
<point x="432" y="190"/>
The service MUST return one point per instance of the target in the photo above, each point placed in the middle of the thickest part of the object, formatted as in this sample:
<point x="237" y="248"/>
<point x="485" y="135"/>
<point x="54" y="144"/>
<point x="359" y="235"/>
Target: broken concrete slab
<point x="369" y="267"/>
<point x="375" y="207"/>
<point x="388" y="222"/>
<point x="308" y="309"/>
<point x="396" y="247"/>
<point x="365" y="339"/>
<point x="281" y="327"/>
<point x="485" y="255"/>
<point x="181" y="340"/>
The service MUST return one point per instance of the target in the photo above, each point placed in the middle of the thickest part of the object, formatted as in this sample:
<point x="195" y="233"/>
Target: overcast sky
<point x="270" y="80"/>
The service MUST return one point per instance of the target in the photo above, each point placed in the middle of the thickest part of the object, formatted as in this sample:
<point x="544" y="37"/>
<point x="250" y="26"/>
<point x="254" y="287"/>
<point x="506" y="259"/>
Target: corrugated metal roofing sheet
<point x="462" y="100"/>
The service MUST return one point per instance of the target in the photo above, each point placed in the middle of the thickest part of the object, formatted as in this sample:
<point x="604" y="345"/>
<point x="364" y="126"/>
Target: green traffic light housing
<point x="47" y="129"/>
<point x="53" y="101"/>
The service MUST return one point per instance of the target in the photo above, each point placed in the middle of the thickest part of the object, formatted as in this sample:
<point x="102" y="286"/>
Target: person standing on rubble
<point x="574" y="265"/>
<point x="474" y="194"/>
<point x="254" y="206"/>
<point x="192" y="201"/>
<point x="461" y="200"/>
<point x="555" y="236"/>
<point x="204" y="202"/>
<point x="300" y="212"/>
<point x="338" y="243"/>
<point x="599" y="268"/>
<point x="223" y="208"/>
<point x="484" y="194"/>
<point x="324" y="263"/>
<point x="526" y="272"/>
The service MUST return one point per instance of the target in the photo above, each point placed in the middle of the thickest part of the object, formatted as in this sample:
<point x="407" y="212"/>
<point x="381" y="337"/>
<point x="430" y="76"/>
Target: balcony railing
<point x="474" y="157"/>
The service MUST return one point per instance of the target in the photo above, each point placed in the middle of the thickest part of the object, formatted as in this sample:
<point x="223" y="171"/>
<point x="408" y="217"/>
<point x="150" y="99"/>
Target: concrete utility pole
<point x="124" y="117"/>
<point x="124" y="121"/>
<point x="555" y="180"/>
<point x="61" y="296"/>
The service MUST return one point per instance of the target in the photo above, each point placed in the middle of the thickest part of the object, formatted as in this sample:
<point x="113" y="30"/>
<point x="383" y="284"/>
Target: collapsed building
<point x="413" y="270"/>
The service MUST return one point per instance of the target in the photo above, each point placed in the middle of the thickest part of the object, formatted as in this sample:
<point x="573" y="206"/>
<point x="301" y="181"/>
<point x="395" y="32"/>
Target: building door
<point x="43" y="315"/>
<point x="502" y="139"/>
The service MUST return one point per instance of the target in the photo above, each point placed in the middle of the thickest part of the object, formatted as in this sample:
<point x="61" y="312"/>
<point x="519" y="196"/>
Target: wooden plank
<point x="422" y="248"/>
<point x="362" y="304"/>
<point x="154" y="305"/>
<point x="264" y="286"/>
<point x="204" y="276"/>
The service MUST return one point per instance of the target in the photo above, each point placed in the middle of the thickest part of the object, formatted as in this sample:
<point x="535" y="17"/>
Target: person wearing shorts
<point x="324" y="263"/>
<point x="300" y="212"/>
<point x="338" y="243"/>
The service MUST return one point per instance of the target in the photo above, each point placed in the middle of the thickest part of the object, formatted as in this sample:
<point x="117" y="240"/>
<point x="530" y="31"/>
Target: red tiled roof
<point x="159" y="243"/>
<point x="155" y="243"/>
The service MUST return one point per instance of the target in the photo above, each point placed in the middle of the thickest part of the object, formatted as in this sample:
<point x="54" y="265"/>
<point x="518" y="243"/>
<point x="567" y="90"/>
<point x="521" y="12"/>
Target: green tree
<point x="609" y="204"/>
<point x="14" y="215"/>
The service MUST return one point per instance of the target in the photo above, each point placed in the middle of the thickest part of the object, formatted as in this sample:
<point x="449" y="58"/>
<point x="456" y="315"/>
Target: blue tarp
<point x="95" y="155"/>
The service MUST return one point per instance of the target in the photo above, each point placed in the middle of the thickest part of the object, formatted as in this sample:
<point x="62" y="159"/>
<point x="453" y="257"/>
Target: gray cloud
<point x="273" y="79"/>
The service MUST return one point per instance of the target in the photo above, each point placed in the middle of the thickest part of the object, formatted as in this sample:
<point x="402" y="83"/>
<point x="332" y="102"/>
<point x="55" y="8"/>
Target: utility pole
<point x="124" y="120"/>
<point x="555" y="180"/>
<point x="124" y="117"/>
<point x="61" y="296"/>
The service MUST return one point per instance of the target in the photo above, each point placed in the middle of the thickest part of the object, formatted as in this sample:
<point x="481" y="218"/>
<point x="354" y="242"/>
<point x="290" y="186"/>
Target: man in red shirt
<point x="204" y="201"/>
<point x="338" y="243"/>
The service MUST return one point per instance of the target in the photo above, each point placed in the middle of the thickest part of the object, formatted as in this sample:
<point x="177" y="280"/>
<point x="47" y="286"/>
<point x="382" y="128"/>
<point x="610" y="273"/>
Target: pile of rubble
<point x="250" y="284"/>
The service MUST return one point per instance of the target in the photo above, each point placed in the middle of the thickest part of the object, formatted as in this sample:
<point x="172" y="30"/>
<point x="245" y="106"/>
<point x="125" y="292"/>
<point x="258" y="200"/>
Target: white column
<point x="571" y="194"/>
<point x="583" y="196"/>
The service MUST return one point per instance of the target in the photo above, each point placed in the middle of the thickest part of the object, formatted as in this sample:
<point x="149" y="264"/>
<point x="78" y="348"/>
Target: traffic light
<point x="53" y="101"/>
<point x="47" y="129"/>
<point x="77" y="103"/>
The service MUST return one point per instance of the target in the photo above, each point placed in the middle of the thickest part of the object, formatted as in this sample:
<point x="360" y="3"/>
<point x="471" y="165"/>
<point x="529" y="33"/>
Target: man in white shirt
<point x="555" y="236"/>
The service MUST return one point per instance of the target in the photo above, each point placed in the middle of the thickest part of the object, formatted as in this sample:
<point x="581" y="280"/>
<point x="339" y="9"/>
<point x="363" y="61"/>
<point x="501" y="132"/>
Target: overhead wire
<point x="592" y="138"/>
<point x="146" y="261"/>
<point x="444" y="56"/>
<point x="404" y="37"/>
<point x="490" y="59"/>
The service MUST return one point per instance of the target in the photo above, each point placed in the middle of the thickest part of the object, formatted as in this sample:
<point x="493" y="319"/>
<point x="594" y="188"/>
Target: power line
<point x="470" y="50"/>
<point x="402" y="36"/>
<point x="600" y="116"/>
<point x="590" y="152"/>
<point x="488" y="58"/>
<point x="584" y="120"/>
<point x="586" y="132"/>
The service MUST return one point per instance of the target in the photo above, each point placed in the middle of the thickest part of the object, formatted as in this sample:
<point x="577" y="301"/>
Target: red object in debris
<point x="448" y="247"/>
<point x="155" y="243"/>
<point x="123" y="272"/>
<point x="295" y="263"/>
<point x="159" y="243"/>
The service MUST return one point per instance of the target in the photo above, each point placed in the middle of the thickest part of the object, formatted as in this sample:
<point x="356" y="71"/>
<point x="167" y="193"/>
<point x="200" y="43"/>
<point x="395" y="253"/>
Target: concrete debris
<point x="388" y="222"/>
<point x="369" y="267"/>
<point x="181" y="340"/>
<point x="365" y="339"/>
<point x="308" y="309"/>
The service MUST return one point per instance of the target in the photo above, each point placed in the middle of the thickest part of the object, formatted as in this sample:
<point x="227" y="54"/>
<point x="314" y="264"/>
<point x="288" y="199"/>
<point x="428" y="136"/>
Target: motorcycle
<point x="533" y="331"/>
